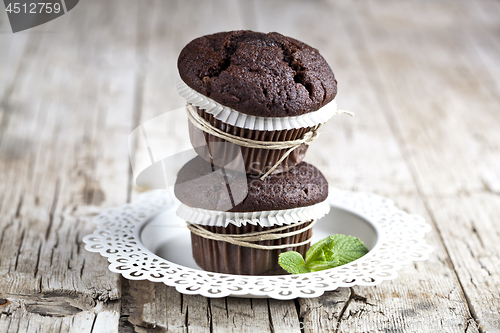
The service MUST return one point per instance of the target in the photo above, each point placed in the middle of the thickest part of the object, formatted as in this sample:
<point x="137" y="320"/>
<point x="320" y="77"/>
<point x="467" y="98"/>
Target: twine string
<point x="245" y="240"/>
<point x="205" y="126"/>
<point x="291" y="145"/>
<point x="278" y="162"/>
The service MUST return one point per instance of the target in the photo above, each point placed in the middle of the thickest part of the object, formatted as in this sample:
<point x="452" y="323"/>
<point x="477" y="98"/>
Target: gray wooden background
<point x="423" y="78"/>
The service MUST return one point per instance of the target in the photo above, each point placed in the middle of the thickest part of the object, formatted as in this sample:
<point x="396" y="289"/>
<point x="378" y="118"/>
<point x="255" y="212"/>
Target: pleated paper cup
<point x="271" y="129"/>
<point x="226" y="258"/>
<point x="267" y="218"/>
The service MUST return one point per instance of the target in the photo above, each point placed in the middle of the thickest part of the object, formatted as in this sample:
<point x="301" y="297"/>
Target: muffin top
<point x="266" y="75"/>
<point x="201" y="184"/>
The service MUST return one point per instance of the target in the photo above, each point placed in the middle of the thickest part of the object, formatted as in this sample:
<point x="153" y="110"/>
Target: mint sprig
<point x="329" y="252"/>
<point x="293" y="262"/>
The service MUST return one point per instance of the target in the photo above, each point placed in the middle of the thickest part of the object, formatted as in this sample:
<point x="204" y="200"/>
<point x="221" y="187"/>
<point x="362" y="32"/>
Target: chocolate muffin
<point x="199" y="185"/>
<point x="265" y="75"/>
<point x="225" y="202"/>
<point x="265" y="87"/>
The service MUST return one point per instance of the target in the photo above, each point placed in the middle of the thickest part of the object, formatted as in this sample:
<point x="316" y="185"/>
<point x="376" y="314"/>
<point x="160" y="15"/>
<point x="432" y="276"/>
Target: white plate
<point x="145" y="240"/>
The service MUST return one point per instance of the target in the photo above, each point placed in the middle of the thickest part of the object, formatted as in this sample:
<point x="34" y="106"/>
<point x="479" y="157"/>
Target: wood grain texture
<point x="445" y="151"/>
<point x="64" y="157"/>
<point x="423" y="79"/>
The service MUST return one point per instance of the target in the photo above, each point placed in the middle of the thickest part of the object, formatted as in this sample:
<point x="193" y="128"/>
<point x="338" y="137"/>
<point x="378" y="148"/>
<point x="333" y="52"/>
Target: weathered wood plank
<point x="284" y="316"/>
<point x="240" y="314"/>
<point x="154" y="305"/>
<point x="63" y="154"/>
<point x="13" y="47"/>
<point x="453" y="152"/>
<point x="469" y="226"/>
<point x="438" y="129"/>
<point x="323" y="314"/>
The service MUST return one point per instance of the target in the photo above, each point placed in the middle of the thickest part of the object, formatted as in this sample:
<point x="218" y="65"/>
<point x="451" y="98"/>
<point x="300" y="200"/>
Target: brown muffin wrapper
<point x="256" y="161"/>
<point x="226" y="258"/>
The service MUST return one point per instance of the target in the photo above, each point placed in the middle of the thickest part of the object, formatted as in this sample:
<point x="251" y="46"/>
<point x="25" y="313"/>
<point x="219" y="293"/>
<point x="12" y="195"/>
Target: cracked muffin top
<point x="266" y="75"/>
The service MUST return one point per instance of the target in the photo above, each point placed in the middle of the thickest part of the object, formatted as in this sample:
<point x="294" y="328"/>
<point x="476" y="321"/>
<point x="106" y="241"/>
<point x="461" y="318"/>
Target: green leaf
<point x="316" y="251"/>
<point x="293" y="262"/>
<point x="346" y="249"/>
<point x="328" y="253"/>
<point x="321" y="265"/>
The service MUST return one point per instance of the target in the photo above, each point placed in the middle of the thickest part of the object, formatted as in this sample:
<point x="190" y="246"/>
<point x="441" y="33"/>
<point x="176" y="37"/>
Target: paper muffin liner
<point x="226" y="258"/>
<point x="263" y="218"/>
<point x="256" y="161"/>
<point x="235" y="118"/>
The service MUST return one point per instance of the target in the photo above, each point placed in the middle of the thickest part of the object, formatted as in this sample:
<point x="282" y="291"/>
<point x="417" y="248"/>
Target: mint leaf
<point x="316" y="251"/>
<point x="293" y="262"/>
<point x="330" y="252"/>
<point x="321" y="265"/>
<point x="346" y="248"/>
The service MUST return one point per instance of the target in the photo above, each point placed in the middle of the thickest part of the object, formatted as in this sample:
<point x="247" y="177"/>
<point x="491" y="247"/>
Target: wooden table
<point x="423" y="78"/>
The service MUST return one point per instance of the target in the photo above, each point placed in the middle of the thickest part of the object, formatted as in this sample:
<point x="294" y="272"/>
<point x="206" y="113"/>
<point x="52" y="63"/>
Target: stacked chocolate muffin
<point x="255" y="102"/>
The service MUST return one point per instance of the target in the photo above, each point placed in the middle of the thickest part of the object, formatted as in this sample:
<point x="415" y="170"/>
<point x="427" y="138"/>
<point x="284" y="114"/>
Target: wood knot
<point x="3" y="301"/>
